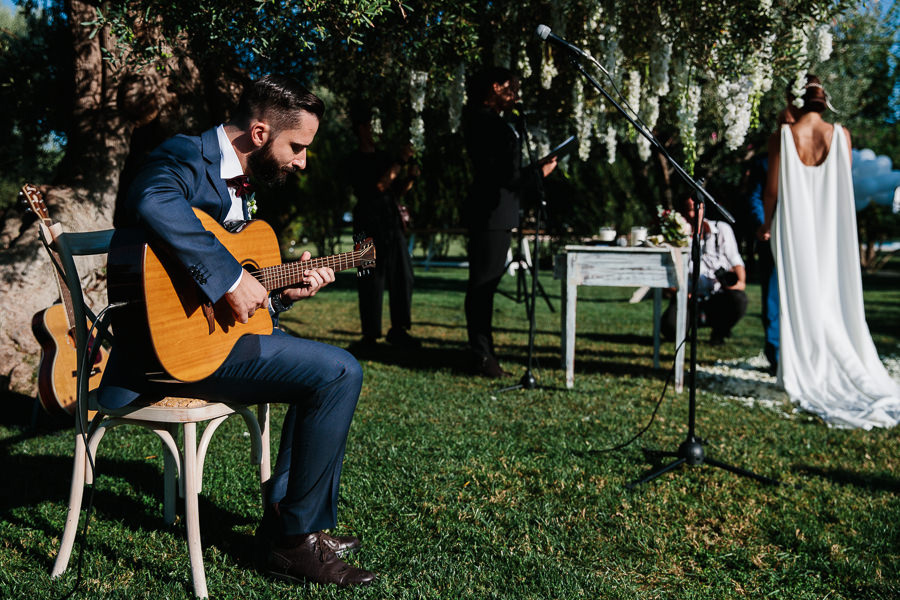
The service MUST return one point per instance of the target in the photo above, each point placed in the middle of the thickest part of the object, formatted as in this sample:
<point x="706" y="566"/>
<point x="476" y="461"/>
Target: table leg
<point x="657" y="310"/>
<point x="680" y="332"/>
<point x="569" y="301"/>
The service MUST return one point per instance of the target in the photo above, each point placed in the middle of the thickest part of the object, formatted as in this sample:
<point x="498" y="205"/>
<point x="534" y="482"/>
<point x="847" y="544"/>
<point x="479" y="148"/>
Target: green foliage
<point x="35" y="69"/>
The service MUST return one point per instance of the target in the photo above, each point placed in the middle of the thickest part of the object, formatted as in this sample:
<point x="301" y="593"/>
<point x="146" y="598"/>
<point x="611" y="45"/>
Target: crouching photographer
<point x="723" y="279"/>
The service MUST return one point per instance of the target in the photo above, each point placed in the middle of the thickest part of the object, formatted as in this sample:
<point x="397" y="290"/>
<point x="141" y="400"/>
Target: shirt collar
<point x="229" y="166"/>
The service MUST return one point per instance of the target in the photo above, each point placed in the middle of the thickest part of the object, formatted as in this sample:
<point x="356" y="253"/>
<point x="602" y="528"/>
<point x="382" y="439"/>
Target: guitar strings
<point x="286" y="273"/>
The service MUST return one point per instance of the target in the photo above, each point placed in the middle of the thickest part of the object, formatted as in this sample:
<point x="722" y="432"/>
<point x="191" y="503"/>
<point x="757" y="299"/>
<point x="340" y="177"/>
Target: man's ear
<point x="259" y="133"/>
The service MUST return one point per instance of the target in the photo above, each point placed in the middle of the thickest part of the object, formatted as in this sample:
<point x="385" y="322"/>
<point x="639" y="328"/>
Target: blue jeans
<point x="319" y="383"/>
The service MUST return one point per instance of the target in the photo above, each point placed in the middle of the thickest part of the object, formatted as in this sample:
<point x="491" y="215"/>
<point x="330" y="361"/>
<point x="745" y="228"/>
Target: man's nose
<point x="299" y="162"/>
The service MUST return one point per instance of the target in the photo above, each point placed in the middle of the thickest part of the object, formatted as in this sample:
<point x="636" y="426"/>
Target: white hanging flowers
<point x="801" y="43"/>
<point x="377" y="128"/>
<point x="582" y="120"/>
<point x="649" y="115"/>
<point x="610" y="142"/>
<point x="457" y="97"/>
<point x="660" y="56"/>
<point x="736" y="103"/>
<point x="523" y="64"/>
<point x="688" y="98"/>
<point x="633" y="90"/>
<point x="418" y="81"/>
<point x="548" y="68"/>
<point x="417" y="132"/>
<point x="417" y="87"/>
<point x="823" y="42"/>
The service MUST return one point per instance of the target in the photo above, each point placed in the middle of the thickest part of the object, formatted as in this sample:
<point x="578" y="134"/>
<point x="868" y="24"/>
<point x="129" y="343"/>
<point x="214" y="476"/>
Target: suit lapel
<point x="209" y="147"/>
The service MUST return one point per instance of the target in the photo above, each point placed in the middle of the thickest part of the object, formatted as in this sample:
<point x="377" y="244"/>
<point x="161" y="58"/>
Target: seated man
<point x="722" y="300"/>
<point x="266" y="139"/>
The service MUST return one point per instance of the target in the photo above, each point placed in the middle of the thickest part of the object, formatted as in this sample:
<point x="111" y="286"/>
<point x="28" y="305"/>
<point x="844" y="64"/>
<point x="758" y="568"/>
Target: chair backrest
<point x="66" y="246"/>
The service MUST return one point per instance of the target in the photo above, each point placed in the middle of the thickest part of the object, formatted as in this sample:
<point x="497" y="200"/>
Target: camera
<point x="726" y="278"/>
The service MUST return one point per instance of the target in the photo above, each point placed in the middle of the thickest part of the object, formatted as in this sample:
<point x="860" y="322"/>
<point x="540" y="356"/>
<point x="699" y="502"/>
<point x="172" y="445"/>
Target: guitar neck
<point x="51" y="231"/>
<point x="288" y="274"/>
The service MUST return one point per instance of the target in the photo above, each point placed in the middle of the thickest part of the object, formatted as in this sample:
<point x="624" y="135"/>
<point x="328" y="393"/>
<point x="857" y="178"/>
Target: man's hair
<point x="277" y="100"/>
<point x="480" y="85"/>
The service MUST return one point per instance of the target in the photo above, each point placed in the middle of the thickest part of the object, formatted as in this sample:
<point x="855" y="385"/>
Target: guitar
<point x="54" y="329"/>
<point x="191" y="337"/>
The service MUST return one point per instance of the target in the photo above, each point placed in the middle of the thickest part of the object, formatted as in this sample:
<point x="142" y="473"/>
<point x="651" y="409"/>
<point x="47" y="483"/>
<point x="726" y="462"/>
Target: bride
<point x="828" y="363"/>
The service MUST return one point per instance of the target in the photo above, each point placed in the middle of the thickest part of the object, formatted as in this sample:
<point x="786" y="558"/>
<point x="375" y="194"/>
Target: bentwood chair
<point x="182" y="466"/>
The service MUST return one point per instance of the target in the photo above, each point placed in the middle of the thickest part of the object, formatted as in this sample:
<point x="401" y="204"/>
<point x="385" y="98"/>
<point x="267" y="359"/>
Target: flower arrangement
<point x="674" y="228"/>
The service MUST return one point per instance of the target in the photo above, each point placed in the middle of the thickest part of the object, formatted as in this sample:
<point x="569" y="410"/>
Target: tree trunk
<point x="110" y="105"/>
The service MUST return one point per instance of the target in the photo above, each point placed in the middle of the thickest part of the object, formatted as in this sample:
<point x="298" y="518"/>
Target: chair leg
<point x="192" y="509"/>
<point x="76" y="494"/>
<point x="170" y="471"/>
<point x="265" y="465"/>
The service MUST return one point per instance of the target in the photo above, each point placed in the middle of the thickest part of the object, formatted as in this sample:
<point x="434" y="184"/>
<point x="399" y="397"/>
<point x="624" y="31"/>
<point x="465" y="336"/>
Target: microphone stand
<point x="691" y="449"/>
<point x="528" y="380"/>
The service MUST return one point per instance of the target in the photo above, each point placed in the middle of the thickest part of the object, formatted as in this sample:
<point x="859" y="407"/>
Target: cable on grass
<point x="653" y="415"/>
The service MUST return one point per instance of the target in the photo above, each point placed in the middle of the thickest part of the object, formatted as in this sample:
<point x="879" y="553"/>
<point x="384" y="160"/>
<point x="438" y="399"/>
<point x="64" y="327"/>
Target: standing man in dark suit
<point x="266" y="140"/>
<point x="491" y="210"/>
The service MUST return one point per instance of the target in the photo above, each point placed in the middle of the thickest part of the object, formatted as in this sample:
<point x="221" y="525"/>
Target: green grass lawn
<point x="461" y="492"/>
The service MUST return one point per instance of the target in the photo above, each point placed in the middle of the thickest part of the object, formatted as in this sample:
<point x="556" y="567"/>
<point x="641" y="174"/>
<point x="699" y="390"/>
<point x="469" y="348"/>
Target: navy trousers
<point x="319" y="383"/>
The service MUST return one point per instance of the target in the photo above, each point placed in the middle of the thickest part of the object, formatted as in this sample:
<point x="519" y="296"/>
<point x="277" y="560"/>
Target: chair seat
<point x="171" y="409"/>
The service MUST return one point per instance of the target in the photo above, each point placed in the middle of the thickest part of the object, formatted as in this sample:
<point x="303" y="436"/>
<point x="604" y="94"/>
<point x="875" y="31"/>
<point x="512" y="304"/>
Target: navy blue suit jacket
<point x="181" y="174"/>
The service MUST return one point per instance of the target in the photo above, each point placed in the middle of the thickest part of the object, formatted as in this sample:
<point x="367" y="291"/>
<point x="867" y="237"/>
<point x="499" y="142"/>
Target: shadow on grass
<point x="857" y="479"/>
<point x="140" y="509"/>
<point x="21" y="412"/>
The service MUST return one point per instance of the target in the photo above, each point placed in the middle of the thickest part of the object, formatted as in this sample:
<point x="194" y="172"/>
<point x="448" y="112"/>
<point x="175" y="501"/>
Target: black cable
<point x="652" y="416"/>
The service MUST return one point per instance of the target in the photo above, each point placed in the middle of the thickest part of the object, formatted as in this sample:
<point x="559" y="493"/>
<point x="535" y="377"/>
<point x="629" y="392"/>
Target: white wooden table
<point x="622" y="267"/>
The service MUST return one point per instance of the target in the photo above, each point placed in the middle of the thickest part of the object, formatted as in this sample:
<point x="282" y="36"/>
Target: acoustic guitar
<point x="189" y="336"/>
<point x="54" y="329"/>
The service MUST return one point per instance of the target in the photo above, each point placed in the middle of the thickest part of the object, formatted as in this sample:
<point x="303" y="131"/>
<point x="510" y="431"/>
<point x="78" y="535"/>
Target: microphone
<point x="545" y="34"/>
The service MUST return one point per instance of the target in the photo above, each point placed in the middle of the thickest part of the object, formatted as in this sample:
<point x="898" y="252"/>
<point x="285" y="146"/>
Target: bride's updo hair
<point x="814" y="97"/>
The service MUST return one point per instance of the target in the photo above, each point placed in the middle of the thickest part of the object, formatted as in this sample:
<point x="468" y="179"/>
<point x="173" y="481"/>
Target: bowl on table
<point x="606" y="235"/>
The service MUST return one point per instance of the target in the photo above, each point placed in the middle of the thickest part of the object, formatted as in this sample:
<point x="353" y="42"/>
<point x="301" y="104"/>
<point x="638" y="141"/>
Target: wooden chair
<point x="184" y="465"/>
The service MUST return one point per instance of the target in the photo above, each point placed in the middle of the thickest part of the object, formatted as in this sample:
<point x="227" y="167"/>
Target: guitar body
<point x="57" y="385"/>
<point x="170" y="306"/>
<point x="189" y="338"/>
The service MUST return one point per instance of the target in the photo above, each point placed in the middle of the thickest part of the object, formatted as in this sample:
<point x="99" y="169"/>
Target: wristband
<point x="279" y="305"/>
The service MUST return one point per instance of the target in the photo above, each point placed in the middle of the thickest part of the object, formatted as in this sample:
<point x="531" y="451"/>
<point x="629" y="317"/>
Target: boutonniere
<point x="251" y="205"/>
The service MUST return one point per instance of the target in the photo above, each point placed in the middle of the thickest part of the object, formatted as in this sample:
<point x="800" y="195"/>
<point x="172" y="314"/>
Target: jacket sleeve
<point x="168" y="187"/>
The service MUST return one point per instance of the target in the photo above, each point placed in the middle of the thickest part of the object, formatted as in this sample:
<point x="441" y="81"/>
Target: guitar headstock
<point x="366" y="250"/>
<point x="33" y="201"/>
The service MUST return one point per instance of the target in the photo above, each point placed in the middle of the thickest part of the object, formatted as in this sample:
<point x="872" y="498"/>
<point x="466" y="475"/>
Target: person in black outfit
<point x="378" y="181"/>
<point x="491" y="210"/>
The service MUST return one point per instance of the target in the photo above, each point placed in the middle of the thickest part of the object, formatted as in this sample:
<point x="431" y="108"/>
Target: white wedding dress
<point x="828" y="363"/>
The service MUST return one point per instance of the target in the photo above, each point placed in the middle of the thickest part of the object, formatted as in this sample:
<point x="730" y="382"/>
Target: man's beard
<point x="265" y="168"/>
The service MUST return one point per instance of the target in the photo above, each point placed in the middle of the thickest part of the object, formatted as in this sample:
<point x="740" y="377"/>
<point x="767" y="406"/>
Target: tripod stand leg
<point x="540" y="287"/>
<point x="650" y="477"/>
<point x="741" y="472"/>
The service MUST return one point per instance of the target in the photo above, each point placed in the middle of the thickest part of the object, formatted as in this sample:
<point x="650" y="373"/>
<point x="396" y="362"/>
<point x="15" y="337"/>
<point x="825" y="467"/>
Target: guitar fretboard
<point x="280" y="276"/>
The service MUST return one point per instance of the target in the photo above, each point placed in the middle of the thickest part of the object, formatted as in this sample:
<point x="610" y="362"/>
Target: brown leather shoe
<point x="341" y="545"/>
<point x="268" y="534"/>
<point x="309" y="559"/>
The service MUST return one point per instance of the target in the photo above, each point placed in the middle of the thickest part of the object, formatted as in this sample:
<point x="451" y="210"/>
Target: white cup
<point x="638" y="235"/>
